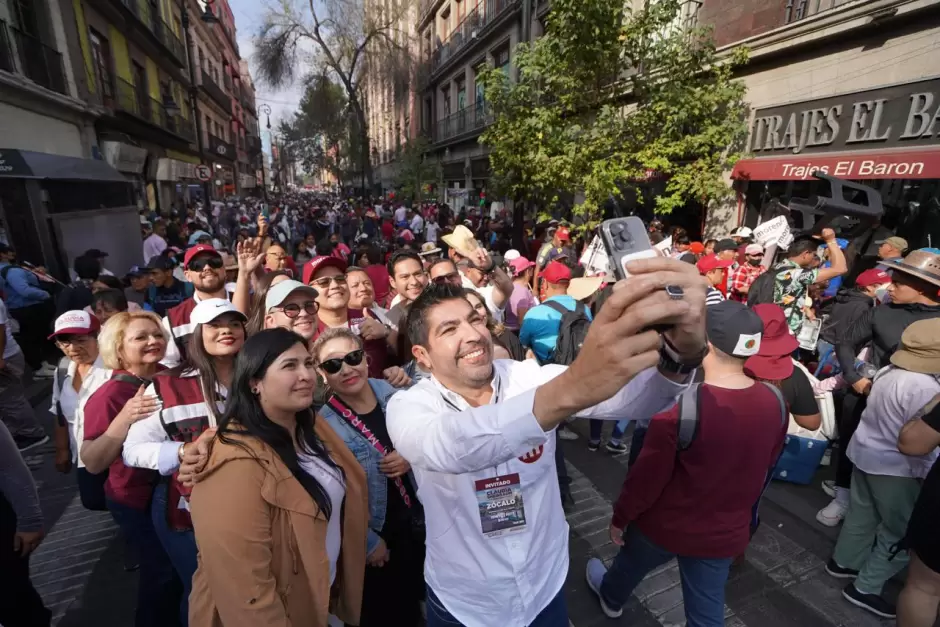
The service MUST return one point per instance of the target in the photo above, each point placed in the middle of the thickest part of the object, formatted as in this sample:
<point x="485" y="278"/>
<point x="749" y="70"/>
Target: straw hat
<point x="461" y="240"/>
<point x="584" y="287"/>
<point x="923" y="264"/>
<point x="920" y="347"/>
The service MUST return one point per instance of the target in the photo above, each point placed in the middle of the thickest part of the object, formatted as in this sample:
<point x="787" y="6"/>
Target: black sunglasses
<point x="199" y="263"/>
<point x="292" y="310"/>
<point x="332" y="366"/>
<point x="447" y="278"/>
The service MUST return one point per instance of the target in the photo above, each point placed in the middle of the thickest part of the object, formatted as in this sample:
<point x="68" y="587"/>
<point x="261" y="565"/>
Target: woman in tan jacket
<point x="280" y="510"/>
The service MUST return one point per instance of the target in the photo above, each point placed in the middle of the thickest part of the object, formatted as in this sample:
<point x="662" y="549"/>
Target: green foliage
<point x="415" y="170"/>
<point x="607" y="96"/>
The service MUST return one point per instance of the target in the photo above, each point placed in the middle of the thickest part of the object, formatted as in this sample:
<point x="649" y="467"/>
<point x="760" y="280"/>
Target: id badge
<point x="501" y="508"/>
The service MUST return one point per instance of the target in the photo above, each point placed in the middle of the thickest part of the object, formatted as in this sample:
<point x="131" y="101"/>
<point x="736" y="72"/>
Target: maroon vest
<point x="184" y="417"/>
<point x="180" y="326"/>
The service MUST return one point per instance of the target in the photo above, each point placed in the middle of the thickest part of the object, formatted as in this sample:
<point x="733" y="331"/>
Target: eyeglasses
<point x="324" y="283"/>
<point x="332" y="366"/>
<point x="67" y="340"/>
<point x="292" y="310"/>
<point x="199" y="263"/>
<point x="453" y="277"/>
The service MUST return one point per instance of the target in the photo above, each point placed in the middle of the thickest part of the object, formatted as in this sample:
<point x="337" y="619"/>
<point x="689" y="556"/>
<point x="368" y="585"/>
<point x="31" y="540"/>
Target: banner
<point x="595" y="259"/>
<point x="773" y="232"/>
<point x="665" y="246"/>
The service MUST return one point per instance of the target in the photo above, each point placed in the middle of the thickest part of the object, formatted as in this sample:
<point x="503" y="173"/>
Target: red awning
<point x="888" y="164"/>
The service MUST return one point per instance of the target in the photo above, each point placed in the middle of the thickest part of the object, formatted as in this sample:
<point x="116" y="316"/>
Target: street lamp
<point x="266" y="110"/>
<point x="209" y="19"/>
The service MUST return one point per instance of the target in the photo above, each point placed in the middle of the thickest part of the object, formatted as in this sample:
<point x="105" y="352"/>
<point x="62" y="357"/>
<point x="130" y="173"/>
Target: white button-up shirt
<point x="507" y="580"/>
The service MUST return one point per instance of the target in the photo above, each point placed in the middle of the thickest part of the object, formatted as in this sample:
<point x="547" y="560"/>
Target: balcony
<point x="796" y="10"/>
<point x="23" y="54"/>
<point x="472" y="119"/>
<point x="472" y="28"/>
<point x="253" y="145"/>
<point x="134" y="100"/>
<point x="215" y="92"/>
<point x="221" y="148"/>
<point x="161" y="31"/>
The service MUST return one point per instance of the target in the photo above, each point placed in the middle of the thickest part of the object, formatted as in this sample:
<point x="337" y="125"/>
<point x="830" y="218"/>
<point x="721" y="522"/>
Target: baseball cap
<point x="873" y="276"/>
<point x="198" y="250"/>
<point x="196" y="237"/>
<point x="733" y="329"/>
<point x="322" y="262"/>
<point x="161" y="262"/>
<point x="511" y="254"/>
<point x="75" y="322"/>
<point x="726" y="244"/>
<point x="279" y="293"/>
<point x="520" y="265"/>
<point x="556" y="272"/>
<point x="897" y="242"/>
<point x="742" y="231"/>
<point x="697" y="248"/>
<point x="211" y="308"/>
<point x="754" y="249"/>
<point x="711" y="262"/>
<point x="136" y="271"/>
<point x="563" y="234"/>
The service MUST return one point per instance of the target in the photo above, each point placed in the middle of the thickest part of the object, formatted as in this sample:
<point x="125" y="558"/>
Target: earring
<point x="254" y="391"/>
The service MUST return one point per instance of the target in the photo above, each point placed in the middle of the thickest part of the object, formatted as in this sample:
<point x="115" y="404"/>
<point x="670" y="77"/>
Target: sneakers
<point x="46" y="372"/>
<point x="618" y="448"/>
<point x="594" y="573"/>
<point x="840" y="572"/>
<point x="593" y="446"/>
<point x="832" y="514"/>
<point x="567" y="434"/>
<point x="871" y="602"/>
<point x="829" y="487"/>
<point x="26" y="443"/>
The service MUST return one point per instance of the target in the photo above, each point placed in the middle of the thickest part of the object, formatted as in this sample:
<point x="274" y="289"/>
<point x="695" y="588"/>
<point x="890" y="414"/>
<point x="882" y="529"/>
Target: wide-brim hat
<point x="920" y="347"/>
<point x="775" y="368"/>
<point x="461" y="240"/>
<point x="923" y="264"/>
<point x="777" y="340"/>
<point x="584" y="287"/>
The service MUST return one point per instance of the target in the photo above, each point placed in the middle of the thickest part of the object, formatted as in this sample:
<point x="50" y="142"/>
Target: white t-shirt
<point x="417" y="223"/>
<point x="154" y="246"/>
<point x="11" y="348"/>
<point x="432" y="229"/>
<point x="64" y="394"/>
<point x="400" y="214"/>
<point x="334" y="486"/>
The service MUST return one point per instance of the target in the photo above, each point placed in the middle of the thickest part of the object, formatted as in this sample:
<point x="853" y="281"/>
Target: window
<point x="501" y="58"/>
<point x="461" y="11"/>
<point x="446" y="98"/>
<point x="478" y="95"/>
<point x="101" y="59"/>
<point x="445" y="23"/>
<point x="461" y="94"/>
<point x="25" y="18"/>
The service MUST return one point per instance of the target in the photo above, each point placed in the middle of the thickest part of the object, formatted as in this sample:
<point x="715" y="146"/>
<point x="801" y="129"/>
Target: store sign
<point x="909" y="164"/>
<point x="903" y="116"/>
<point x="175" y="170"/>
<point x="124" y="157"/>
<point x="221" y="148"/>
<point x="13" y="164"/>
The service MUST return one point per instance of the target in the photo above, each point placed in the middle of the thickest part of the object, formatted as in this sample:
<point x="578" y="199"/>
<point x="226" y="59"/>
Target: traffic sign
<point x="203" y="173"/>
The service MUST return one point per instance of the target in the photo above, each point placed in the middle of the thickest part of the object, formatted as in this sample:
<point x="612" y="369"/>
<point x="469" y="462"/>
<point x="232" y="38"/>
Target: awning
<point x="41" y="165"/>
<point x="887" y="164"/>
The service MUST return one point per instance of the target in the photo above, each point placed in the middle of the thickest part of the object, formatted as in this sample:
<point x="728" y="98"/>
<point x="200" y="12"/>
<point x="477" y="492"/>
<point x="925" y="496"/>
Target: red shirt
<point x="388" y="229"/>
<point x="741" y="279"/>
<point x="698" y="502"/>
<point x="380" y="282"/>
<point x="376" y="350"/>
<point x="128" y="486"/>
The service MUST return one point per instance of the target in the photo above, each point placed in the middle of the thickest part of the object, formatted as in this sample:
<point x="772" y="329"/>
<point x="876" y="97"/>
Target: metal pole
<point x="193" y="97"/>
<point x="266" y="110"/>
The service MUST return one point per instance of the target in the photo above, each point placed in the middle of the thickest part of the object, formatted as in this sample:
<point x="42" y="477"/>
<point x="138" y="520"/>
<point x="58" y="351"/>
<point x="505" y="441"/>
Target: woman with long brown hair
<point x="258" y="310"/>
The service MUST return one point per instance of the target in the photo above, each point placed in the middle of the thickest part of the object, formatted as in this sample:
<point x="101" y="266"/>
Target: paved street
<point x="79" y="568"/>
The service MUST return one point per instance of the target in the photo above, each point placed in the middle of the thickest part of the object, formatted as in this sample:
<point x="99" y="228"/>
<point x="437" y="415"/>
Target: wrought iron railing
<point x="215" y="91"/>
<point x="131" y="99"/>
<point x="469" y="119"/>
<point x="141" y="9"/>
<point x="24" y="54"/>
<point x="469" y="29"/>
<point x="796" y="10"/>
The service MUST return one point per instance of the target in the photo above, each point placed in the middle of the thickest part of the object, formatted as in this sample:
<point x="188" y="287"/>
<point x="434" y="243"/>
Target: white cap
<point x="511" y="254"/>
<point x="75" y="322"/>
<point x="211" y="308"/>
<point x="279" y="293"/>
<point x="742" y="231"/>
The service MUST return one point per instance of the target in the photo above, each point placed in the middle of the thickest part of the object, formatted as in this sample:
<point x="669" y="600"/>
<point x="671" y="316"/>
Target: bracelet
<point x="179" y="452"/>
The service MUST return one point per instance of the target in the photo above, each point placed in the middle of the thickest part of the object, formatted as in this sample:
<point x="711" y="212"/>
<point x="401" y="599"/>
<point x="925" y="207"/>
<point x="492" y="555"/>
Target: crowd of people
<point x="329" y="412"/>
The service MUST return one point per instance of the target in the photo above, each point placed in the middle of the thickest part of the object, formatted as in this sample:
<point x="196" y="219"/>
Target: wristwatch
<point x="670" y="361"/>
<point x="179" y="452"/>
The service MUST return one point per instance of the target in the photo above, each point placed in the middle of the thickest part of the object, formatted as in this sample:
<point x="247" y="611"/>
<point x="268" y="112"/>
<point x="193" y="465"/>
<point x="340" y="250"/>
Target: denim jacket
<point x="21" y="288"/>
<point x="369" y="458"/>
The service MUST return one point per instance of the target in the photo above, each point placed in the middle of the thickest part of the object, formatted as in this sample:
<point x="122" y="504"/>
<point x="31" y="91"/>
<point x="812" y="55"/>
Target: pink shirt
<point x="521" y="297"/>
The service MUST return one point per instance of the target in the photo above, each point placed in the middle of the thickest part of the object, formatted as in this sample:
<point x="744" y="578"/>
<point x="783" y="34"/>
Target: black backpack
<point x="571" y="332"/>
<point x="762" y="289"/>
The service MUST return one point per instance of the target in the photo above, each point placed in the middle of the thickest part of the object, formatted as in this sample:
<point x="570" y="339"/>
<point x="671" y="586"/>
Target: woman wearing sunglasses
<point x="394" y="584"/>
<point x="280" y="508"/>
<point x="191" y="396"/>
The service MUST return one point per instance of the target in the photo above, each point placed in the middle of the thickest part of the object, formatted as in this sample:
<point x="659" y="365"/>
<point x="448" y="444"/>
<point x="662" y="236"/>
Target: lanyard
<point x="353" y="419"/>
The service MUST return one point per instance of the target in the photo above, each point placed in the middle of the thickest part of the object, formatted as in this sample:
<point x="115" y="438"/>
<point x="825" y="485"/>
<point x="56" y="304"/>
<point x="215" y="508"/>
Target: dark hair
<point x="256" y="317"/>
<point x="244" y="409"/>
<point x="432" y="296"/>
<point x="325" y="247"/>
<point x="713" y="242"/>
<point x="111" y="281"/>
<point x="441" y="260"/>
<point x="682" y="239"/>
<point x="87" y="268"/>
<point x="374" y="255"/>
<point x="802" y="245"/>
<point x="114" y="299"/>
<point x="400" y="255"/>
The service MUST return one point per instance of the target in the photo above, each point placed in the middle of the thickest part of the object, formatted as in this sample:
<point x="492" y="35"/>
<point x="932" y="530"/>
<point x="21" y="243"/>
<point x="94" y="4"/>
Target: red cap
<point x="316" y="263"/>
<point x="556" y="272"/>
<point x="195" y="250"/>
<point x="697" y="248"/>
<point x="563" y="234"/>
<point x="711" y="262"/>
<point x="874" y="276"/>
<point x="75" y="322"/>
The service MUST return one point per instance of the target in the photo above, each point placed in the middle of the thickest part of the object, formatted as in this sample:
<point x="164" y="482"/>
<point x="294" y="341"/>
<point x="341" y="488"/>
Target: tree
<point x="339" y="39"/>
<point x="415" y="170"/>
<point x="609" y="96"/>
<point x="319" y="132"/>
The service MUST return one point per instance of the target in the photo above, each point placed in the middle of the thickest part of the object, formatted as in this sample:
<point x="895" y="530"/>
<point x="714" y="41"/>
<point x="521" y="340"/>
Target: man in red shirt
<point x="696" y="504"/>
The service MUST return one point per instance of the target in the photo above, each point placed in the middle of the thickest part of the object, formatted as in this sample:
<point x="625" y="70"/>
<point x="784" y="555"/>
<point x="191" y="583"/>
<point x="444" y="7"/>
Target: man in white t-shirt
<point x="154" y="244"/>
<point x="15" y="410"/>
<point x="417" y="223"/>
<point x="432" y="230"/>
<point x="400" y="214"/>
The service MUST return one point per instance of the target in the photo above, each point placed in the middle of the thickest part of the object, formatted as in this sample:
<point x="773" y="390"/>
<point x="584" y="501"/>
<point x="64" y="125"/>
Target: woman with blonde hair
<point x="132" y="345"/>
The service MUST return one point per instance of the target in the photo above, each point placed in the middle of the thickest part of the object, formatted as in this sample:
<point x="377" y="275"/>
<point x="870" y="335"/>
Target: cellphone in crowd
<point x="264" y="211"/>
<point x="625" y="240"/>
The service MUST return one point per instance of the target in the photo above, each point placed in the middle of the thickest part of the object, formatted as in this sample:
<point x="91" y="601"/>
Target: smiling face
<point x="143" y="343"/>
<point x="330" y="282"/>
<point x="224" y="336"/>
<point x="275" y="258"/>
<point x="409" y="279"/>
<point x="350" y="379"/>
<point x="289" y="382"/>
<point x="459" y="350"/>
<point x="203" y="276"/>
<point x="304" y="306"/>
<point x="361" y="293"/>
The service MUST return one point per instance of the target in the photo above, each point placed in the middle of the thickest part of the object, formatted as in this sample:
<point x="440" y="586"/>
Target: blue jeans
<point x="555" y="613"/>
<point x="596" y="426"/>
<point x="180" y="546"/>
<point x="159" y="589"/>
<point x="703" y="580"/>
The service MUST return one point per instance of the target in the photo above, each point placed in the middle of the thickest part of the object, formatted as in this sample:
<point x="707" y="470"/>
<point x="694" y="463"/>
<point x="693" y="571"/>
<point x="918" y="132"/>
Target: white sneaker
<point x="46" y="372"/>
<point x="567" y="434"/>
<point x="829" y="487"/>
<point x="832" y="514"/>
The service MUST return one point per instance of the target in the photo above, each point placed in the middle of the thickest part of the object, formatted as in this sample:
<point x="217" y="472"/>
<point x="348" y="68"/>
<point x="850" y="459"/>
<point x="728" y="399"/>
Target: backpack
<point x="571" y="332"/>
<point x="762" y="289"/>
<point x="689" y="417"/>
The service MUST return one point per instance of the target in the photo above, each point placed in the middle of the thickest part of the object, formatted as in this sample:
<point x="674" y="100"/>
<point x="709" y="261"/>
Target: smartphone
<point x="264" y="212"/>
<point x="625" y="239"/>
